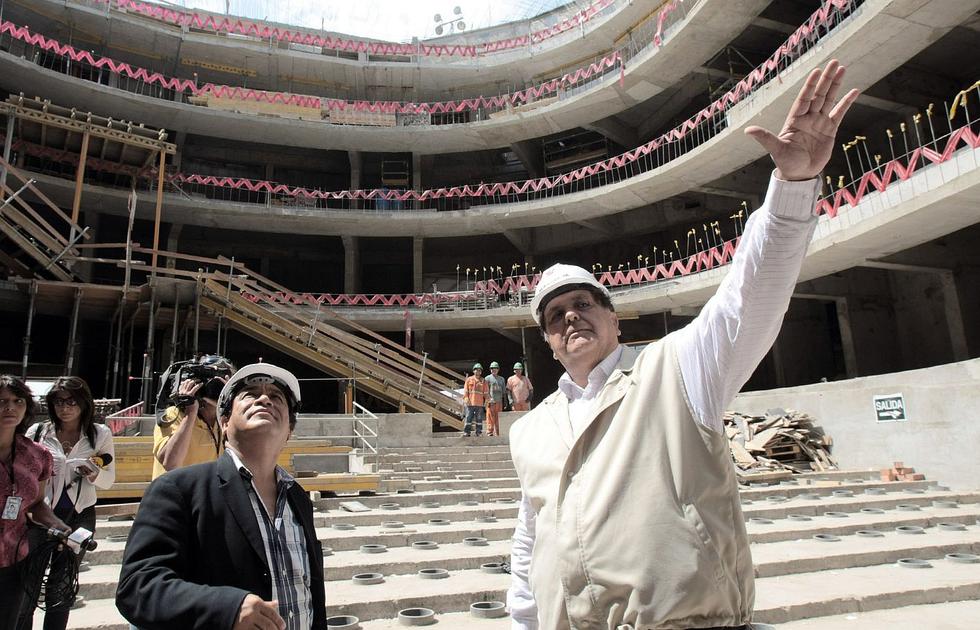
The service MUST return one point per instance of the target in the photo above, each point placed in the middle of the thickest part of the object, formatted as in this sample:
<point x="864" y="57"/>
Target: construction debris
<point x="781" y="440"/>
<point x="900" y="472"/>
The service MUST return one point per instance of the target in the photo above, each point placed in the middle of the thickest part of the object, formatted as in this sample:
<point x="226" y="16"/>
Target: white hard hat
<point x="558" y="277"/>
<point x="260" y="373"/>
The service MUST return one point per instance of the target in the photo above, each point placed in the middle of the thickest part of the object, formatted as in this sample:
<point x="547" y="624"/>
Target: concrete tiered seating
<point x="134" y="467"/>
<point x="804" y="582"/>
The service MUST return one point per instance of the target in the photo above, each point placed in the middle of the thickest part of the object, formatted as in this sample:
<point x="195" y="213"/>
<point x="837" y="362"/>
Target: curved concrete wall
<point x="711" y="25"/>
<point x="436" y="75"/>
<point x="878" y="38"/>
<point x="935" y="201"/>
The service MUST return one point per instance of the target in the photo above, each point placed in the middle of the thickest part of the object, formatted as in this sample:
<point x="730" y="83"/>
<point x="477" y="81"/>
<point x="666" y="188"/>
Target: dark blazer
<point x="195" y="551"/>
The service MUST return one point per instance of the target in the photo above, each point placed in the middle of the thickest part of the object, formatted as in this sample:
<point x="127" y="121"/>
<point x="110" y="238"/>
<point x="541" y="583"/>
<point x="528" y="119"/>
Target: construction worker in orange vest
<point x="519" y="389"/>
<point x="475" y="393"/>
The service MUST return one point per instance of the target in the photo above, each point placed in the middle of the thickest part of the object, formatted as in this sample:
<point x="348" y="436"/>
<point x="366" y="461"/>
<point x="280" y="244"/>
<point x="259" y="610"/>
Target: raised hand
<point x="805" y="144"/>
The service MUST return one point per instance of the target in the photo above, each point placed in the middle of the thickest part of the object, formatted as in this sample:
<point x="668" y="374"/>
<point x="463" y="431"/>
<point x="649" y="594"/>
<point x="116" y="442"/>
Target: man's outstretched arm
<point x="724" y="344"/>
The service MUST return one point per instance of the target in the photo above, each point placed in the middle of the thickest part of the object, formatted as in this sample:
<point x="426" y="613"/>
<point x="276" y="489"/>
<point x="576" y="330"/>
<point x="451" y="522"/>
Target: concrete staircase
<point x="826" y="547"/>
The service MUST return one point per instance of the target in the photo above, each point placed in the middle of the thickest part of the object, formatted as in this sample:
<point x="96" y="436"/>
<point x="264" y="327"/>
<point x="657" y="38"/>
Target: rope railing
<point x="83" y="64"/>
<point x="227" y="24"/>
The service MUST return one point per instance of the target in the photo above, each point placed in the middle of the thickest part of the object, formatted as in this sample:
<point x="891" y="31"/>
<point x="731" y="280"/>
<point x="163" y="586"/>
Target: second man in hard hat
<point x="495" y="398"/>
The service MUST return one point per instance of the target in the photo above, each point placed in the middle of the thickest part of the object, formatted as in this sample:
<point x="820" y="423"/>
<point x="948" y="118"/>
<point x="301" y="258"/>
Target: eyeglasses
<point x="65" y="402"/>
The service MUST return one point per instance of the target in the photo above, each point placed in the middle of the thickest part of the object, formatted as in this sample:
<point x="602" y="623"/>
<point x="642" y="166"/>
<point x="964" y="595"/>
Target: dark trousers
<point x="474" y="418"/>
<point x="56" y="617"/>
<point x="11" y="595"/>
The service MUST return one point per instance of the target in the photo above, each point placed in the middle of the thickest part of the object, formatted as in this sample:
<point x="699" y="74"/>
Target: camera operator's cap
<point x="558" y="279"/>
<point x="260" y="373"/>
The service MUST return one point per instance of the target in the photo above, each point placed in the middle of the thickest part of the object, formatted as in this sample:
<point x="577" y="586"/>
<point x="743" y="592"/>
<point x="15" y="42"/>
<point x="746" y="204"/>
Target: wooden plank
<point x="38" y="219"/>
<point x="364" y="362"/>
<point x="317" y="358"/>
<point x="31" y="250"/>
<point x="44" y="199"/>
<point x="453" y="375"/>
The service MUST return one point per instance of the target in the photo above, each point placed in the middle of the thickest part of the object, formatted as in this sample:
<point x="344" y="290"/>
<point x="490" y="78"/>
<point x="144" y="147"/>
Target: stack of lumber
<point x="900" y="472"/>
<point x="781" y="440"/>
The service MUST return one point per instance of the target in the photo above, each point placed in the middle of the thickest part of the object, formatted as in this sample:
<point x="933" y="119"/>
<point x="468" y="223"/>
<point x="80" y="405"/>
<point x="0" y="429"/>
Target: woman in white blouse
<point x="83" y="454"/>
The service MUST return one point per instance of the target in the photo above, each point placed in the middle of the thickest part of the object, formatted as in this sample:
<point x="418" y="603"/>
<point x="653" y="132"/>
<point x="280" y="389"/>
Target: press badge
<point x="11" y="508"/>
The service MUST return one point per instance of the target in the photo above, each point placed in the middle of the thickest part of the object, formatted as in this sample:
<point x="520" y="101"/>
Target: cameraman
<point x="188" y="431"/>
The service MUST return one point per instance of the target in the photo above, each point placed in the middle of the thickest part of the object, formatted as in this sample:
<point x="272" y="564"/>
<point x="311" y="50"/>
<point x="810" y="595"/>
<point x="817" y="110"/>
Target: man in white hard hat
<point x="630" y="505"/>
<point x="230" y="543"/>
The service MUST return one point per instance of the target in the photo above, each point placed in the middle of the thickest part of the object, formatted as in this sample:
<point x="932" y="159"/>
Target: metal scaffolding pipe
<point x="70" y="351"/>
<point x="7" y="144"/>
<point x="27" y="336"/>
<point x="197" y="313"/>
<point x="146" y="381"/>
<point x="173" y="334"/>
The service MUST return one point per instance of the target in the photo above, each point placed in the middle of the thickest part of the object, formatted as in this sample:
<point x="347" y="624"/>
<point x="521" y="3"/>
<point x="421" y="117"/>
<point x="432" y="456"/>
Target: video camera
<point x="210" y="370"/>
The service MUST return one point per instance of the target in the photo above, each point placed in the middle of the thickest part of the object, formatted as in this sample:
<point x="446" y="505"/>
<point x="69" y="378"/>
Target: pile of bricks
<point x="899" y="472"/>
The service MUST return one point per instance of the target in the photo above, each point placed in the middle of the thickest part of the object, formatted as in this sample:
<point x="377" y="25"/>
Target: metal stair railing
<point x="375" y="369"/>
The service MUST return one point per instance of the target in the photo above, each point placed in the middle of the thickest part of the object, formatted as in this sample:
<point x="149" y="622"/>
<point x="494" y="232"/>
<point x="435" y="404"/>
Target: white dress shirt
<point x="81" y="491"/>
<point x="717" y="352"/>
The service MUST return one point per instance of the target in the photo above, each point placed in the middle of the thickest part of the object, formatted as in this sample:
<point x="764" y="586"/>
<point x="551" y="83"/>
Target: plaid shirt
<point x="285" y="549"/>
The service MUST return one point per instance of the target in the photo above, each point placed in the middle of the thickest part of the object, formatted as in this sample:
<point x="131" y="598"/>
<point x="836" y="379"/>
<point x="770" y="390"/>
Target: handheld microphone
<point x="79" y="540"/>
<point x="102" y="460"/>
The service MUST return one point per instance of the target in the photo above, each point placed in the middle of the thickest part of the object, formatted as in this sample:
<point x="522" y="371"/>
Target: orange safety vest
<point x="475" y="391"/>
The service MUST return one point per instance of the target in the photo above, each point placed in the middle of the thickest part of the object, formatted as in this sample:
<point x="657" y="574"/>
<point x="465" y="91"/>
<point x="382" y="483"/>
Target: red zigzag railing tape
<point x="188" y="86"/>
<point x="228" y="24"/>
<point x="711" y="258"/>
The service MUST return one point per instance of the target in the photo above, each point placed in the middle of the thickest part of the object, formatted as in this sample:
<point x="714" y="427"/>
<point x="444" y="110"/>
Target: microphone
<point x="102" y="460"/>
<point x="79" y="540"/>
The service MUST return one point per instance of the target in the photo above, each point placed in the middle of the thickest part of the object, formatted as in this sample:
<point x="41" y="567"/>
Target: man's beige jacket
<point x="638" y="520"/>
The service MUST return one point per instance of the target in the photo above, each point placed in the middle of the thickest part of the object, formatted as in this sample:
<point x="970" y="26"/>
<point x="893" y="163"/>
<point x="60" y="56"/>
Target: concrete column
<point x="180" y="139"/>
<point x="355" y="175"/>
<point x="173" y="238"/>
<point x="417" y="254"/>
<point x="270" y="172"/>
<point x="954" y="317"/>
<point x="352" y="265"/>
<point x="417" y="176"/>
<point x="846" y="338"/>
<point x="777" y="364"/>
<point x="416" y="171"/>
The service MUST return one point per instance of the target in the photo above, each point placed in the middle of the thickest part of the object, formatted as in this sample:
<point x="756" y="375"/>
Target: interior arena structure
<point x="373" y="215"/>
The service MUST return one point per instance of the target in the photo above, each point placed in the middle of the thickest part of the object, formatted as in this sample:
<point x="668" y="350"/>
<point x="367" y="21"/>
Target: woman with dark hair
<point x="82" y="452"/>
<point x="25" y="469"/>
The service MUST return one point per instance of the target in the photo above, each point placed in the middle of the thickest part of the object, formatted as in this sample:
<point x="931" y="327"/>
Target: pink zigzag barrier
<point x="713" y="257"/>
<point x="224" y="24"/>
<point x="315" y="102"/>
<point x="821" y="18"/>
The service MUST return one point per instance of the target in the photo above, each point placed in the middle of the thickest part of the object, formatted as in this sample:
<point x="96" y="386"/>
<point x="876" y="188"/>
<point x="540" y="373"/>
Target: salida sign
<point x="890" y="408"/>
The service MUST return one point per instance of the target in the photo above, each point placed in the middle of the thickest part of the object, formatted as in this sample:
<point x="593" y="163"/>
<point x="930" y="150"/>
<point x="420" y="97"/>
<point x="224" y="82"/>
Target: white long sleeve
<point x="720" y="349"/>
<point x="722" y="346"/>
<point x="520" y="601"/>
